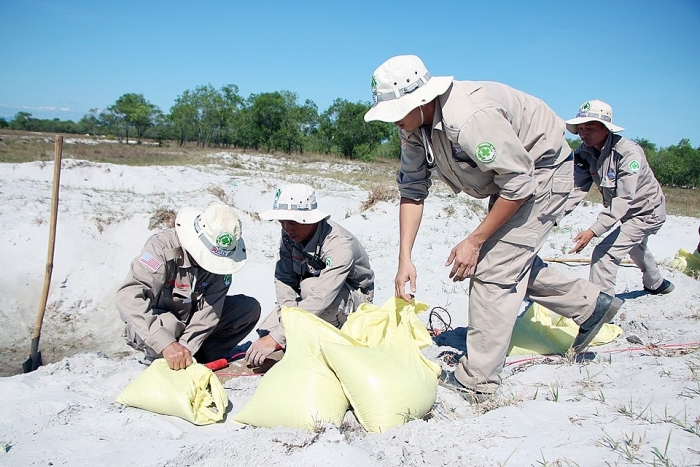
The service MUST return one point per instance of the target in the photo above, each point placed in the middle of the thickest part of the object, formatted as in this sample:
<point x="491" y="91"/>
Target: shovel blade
<point x="32" y="363"/>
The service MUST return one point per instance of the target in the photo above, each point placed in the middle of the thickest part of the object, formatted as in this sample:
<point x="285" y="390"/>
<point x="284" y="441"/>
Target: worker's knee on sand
<point x="240" y="308"/>
<point x="135" y="341"/>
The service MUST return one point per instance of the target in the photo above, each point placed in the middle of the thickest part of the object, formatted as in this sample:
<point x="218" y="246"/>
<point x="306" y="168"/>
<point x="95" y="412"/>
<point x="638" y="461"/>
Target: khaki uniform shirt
<point x="624" y="178"/>
<point x="486" y="139"/>
<point x="345" y="259"/>
<point x="166" y="299"/>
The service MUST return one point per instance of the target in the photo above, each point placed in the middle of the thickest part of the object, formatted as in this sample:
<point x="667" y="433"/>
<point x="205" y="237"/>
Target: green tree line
<point x="277" y="121"/>
<point x="209" y="117"/>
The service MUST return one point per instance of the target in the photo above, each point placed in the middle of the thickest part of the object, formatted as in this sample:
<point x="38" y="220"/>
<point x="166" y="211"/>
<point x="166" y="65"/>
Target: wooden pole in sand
<point x="34" y="360"/>
<point x="581" y="260"/>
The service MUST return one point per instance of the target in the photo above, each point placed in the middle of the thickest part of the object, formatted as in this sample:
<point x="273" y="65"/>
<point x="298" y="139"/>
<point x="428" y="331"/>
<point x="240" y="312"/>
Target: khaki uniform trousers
<point x="337" y="312"/>
<point x="629" y="237"/>
<point x="238" y="318"/>
<point x="508" y="270"/>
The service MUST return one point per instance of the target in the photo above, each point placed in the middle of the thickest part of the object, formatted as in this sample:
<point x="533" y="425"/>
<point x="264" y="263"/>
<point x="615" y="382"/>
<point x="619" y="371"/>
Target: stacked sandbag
<point x="373" y="365"/>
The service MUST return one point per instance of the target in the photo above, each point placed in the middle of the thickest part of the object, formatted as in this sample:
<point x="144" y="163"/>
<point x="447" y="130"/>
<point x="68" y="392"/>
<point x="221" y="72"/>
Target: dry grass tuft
<point x="162" y="219"/>
<point x="220" y="193"/>
<point x="379" y="193"/>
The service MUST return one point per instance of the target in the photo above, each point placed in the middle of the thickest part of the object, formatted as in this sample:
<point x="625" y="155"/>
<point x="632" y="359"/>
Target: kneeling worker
<point x="322" y="268"/>
<point x="174" y="300"/>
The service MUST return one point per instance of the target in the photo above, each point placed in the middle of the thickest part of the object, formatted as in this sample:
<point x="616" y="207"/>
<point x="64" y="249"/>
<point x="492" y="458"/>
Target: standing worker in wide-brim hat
<point x="174" y="300"/>
<point x="487" y="140"/>
<point x="631" y="196"/>
<point x="322" y="268"/>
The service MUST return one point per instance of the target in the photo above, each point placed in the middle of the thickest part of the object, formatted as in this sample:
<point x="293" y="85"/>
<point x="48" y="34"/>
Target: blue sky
<point x="63" y="58"/>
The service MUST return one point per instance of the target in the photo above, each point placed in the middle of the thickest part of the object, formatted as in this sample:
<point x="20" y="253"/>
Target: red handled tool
<point x="223" y="362"/>
<point x="217" y="364"/>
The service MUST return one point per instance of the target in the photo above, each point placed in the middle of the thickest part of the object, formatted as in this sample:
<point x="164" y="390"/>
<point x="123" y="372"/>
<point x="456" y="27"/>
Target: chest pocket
<point x="608" y="174"/>
<point x="460" y="155"/>
<point x="298" y="263"/>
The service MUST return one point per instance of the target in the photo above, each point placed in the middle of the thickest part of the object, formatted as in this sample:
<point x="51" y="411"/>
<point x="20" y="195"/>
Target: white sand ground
<point x="631" y="404"/>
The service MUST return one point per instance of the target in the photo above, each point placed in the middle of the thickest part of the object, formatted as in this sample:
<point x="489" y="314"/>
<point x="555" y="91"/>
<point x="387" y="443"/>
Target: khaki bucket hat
<point x="212" y="237"/>
<point x="401" y="84"/>
<point x="295" y="202"/>
<point x="593" y="111"/>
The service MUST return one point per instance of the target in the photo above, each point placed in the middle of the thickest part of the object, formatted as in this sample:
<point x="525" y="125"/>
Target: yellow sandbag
<point x="300" y="391"/>
<point x="686" y="262"/>
<point x="194" y="394"/>
<point x="539" y="331"/>
<point x="372" y="324"/>
<point x="389" y="384"/>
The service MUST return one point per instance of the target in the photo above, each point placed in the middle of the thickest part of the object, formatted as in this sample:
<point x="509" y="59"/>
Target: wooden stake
<point x="34" y="360"/>
<point x="582" y="260"/>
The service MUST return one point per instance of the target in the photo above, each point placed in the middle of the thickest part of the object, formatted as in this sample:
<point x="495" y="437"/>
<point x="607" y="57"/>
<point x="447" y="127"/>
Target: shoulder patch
<point x="149" y="262"/>
<point x="486" y="152"/>
<point x="634" y="166"/>
<point x="329" y="262"/>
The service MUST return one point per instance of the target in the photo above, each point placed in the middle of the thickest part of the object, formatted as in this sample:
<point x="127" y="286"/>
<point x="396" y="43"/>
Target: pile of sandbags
<point x="372" y="365"/>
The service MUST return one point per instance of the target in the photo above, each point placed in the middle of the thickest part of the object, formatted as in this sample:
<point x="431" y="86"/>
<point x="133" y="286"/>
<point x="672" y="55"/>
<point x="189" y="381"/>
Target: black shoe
<point x="448" y="380"/>
<point x="605" y="309"/>
<point x="665" y="287"/>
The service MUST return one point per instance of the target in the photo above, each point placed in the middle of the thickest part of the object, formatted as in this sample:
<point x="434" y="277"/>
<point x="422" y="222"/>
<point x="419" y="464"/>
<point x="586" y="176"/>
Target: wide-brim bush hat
<point x="295" y="202"/>
<point x="212" y="237"/>
<point x="401" y="84"/>
<point x="593" y="111"/>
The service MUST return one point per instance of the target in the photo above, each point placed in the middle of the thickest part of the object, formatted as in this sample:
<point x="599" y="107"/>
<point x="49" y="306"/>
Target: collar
<point x="186" y="261"/>
<point x="437" y="115"/>
<point x="316" y="240"/>
<point x="607" y="147"/>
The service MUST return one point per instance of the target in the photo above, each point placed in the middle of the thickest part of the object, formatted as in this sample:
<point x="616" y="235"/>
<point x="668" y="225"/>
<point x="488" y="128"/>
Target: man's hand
<point x="582" y="240"/>
<point x="405" y="273"/>
<point x="177" y="355"/>
<point x="463" y="258"/>
<point x="260" y="350"/>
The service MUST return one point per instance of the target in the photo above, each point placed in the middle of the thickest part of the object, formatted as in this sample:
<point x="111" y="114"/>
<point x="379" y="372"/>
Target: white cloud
<point x="41" y="108"/>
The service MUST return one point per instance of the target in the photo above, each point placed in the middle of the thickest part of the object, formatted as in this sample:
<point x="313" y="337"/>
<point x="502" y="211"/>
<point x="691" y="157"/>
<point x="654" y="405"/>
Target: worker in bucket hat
<point x="174" y="300"/>
<point x="631" y="196"/>
<point x="490" y="141"/>
<point x="322" y="268"/>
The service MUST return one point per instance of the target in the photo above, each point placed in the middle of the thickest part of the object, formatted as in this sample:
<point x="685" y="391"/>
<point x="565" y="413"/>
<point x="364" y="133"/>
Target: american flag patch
<point x="150" y="262"/>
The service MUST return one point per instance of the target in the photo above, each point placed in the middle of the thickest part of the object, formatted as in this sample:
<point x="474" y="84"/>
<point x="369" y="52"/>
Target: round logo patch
<point x="486" y="152"/>
<point x="224" y="240"/>
<point x="634" y="166"/>
<point x="227" y="280"/>
<point x="329" y="263"/>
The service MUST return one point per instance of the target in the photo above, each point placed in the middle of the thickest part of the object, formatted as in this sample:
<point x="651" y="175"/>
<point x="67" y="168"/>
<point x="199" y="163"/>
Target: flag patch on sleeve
<point x="150" y="262"/>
